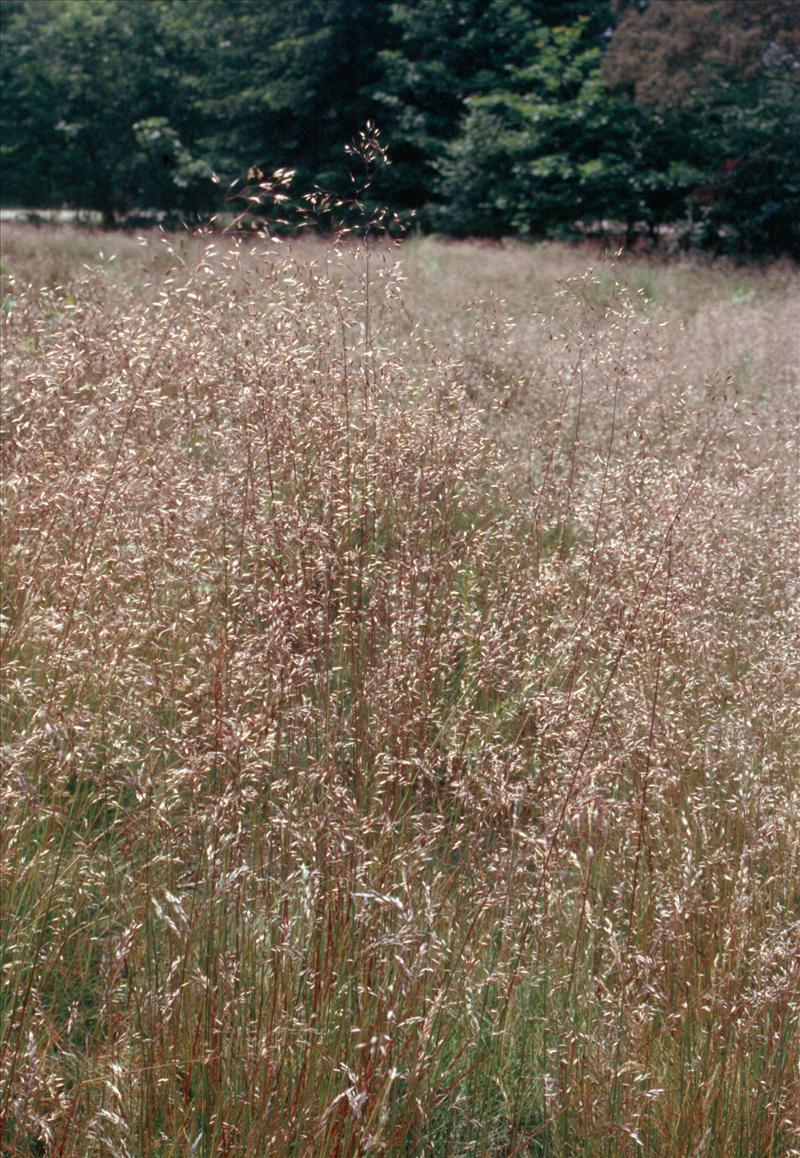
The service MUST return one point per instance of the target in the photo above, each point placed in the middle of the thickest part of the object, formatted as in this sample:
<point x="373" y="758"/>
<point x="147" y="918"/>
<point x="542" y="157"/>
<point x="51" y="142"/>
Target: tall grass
<point x="400" y="693"/>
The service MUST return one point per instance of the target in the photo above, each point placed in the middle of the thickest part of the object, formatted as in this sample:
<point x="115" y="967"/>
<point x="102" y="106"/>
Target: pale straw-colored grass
<point x="400" y="725"/>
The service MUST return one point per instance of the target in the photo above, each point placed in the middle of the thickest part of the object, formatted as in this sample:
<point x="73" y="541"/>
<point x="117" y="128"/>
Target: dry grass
<point x="400" y="703"/>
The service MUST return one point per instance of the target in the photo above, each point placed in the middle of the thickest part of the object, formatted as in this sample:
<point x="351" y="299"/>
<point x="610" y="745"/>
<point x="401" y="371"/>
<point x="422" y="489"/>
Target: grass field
<point x="401" y="667"/>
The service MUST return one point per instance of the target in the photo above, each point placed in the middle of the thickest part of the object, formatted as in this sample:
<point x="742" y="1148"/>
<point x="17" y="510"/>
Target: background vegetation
<point x="502" y="117"/>
<point x="400" y="731"/>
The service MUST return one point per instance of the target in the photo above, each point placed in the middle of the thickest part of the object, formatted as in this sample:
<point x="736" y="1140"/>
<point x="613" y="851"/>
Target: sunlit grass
<point x="400" y="732"/>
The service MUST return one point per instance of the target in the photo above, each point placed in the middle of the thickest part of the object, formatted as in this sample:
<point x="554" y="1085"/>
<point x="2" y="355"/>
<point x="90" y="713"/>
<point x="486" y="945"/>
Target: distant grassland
<point x="401" y="660"/>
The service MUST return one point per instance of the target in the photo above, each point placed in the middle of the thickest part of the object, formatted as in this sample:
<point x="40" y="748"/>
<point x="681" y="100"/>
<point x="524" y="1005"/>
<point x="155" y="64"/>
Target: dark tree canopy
<point x="501" y="116"/>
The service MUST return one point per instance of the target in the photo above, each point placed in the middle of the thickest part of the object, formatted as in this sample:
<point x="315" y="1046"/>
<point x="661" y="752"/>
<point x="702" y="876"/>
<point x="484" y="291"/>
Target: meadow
<point x="401" y="660"/>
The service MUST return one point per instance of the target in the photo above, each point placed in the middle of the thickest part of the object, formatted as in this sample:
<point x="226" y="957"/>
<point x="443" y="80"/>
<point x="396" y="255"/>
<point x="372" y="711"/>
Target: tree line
<point x="673" y="119"/>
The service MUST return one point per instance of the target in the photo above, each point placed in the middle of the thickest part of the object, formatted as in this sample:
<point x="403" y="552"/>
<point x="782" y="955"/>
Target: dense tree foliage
<point x="727" y="73"/>
<point x="531" y="117"/>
